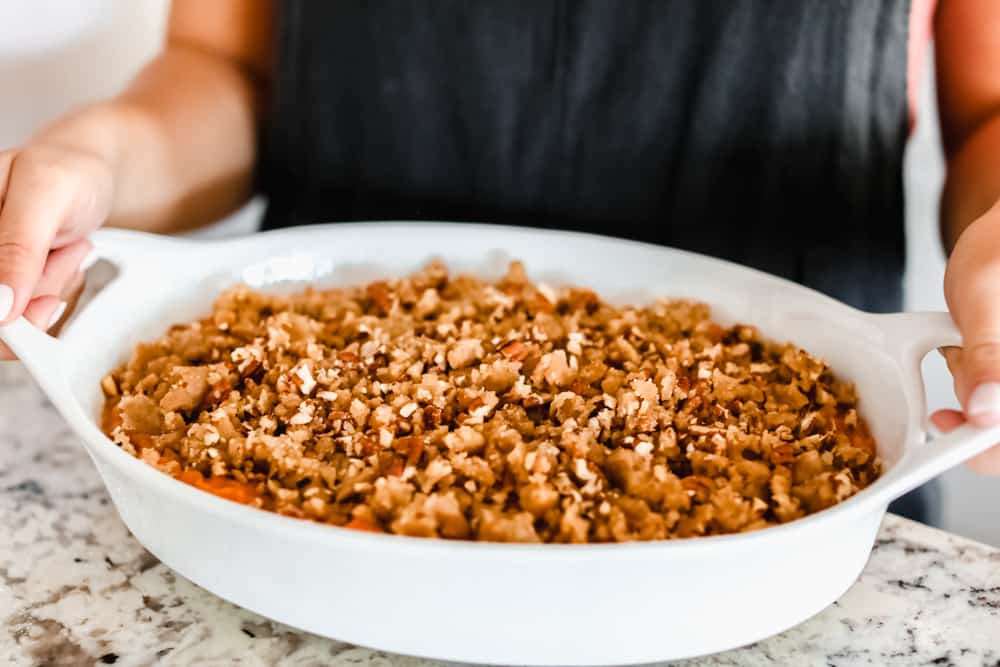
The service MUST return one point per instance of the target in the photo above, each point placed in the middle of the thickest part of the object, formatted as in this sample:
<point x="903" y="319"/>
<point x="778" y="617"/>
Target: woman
<point x="768" y="133"/>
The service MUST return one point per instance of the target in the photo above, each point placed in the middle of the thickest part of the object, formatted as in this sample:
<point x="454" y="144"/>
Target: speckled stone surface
<point x="77" y="589"/>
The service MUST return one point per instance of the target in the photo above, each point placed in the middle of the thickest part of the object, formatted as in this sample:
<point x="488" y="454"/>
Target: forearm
<point x="180" y="141"/>
<point x="972" y="186"/>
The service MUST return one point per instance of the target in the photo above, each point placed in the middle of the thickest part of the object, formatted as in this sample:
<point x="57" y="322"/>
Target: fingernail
<point x="88" y="261"/>
<point x="6" y="301"/>
<point x="985" y="400"/>
<point x="56" y="314"/>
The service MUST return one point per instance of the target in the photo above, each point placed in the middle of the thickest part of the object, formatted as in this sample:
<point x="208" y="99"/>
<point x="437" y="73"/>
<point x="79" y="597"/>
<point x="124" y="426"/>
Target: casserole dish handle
<point x="909" y="337"/>
<point x="45" y="356"/>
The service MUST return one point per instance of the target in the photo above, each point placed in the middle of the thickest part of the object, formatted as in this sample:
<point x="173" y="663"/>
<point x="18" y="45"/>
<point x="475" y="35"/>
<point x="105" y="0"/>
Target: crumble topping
<point x="446" y="406"/>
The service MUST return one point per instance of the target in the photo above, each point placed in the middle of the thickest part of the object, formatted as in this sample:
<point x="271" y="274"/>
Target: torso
<point x="767" y="133"/>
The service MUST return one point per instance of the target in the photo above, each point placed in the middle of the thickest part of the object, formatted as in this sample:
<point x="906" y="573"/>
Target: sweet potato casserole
<point x="447" y="406"/>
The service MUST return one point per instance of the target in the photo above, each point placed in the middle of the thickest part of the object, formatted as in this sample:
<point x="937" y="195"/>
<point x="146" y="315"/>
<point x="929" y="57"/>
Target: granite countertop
<point x="77" y="589"/>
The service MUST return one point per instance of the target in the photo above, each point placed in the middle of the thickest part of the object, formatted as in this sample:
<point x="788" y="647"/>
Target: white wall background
<point x="58" y="53"/>
<point x="55" y="54"/>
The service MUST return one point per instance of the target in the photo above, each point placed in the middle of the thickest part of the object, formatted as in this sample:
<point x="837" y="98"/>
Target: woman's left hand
<point x="972" y="290"/>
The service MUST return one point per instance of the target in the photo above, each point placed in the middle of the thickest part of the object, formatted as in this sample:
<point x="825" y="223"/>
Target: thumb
<point x="977" y="380"/>
<point x="35" y="202"/>
<point x="972" y="288"/>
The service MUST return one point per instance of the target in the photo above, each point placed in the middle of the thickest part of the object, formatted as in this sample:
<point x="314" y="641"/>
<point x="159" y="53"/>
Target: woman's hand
<point x="52" y="195"/>
<point x="972" y="290"/>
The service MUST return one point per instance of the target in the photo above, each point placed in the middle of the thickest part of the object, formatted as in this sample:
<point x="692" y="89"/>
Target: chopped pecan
<point x="700" y="488"/>
<point x="782" y="454"/>
<point x="515" y="350"/>
<point x="380" y="295"/>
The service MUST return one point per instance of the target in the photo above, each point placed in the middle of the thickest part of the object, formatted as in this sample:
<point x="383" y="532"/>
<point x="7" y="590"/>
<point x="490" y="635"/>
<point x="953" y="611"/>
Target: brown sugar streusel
<point x="447" y="406"/>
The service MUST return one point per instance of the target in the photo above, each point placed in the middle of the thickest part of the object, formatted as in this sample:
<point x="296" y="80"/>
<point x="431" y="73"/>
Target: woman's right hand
<point x="52" y="196"/>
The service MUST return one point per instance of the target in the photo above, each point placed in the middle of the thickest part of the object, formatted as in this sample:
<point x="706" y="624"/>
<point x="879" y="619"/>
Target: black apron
<point x="767" y="132"/>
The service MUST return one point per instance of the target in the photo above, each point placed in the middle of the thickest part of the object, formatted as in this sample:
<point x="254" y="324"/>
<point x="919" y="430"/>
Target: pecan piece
<point x="698" y="487"/>
<point x="782" y="454"/>
<point x="380" y="295"/>
<point x="515" y="350"/>
<point x="432" y="417"/>
<point x="411" y="447"/>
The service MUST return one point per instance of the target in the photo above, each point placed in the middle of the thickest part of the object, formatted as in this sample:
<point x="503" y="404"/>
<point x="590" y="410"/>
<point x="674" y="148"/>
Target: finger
<point x="977" y="382"/>
<point x="952" y="356"/>
<point x="972" y="289"/>
<point x="6" y="158"/>
<point x="71" y="297"/>
<point x="74" y="288"/>
<point x="5" y="353"/>
<point x="987" y="463"/>
<point x="36" y="201"/>
<point x="44" y="311"/>
<point x="947" y="420"/>
<point x="41" y="309"/>
<point x="61" y="268"/>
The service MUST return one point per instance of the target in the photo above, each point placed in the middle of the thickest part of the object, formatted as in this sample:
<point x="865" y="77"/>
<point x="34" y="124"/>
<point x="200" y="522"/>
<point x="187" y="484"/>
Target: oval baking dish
<point x="484" y="602"/>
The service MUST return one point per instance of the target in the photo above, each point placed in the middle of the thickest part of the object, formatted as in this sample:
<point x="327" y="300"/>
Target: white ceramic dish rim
<point x="41" y="354"/>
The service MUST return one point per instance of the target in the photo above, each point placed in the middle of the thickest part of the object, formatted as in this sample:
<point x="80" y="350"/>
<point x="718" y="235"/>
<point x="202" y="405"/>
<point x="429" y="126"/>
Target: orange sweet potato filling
<point x="230" y="489"/>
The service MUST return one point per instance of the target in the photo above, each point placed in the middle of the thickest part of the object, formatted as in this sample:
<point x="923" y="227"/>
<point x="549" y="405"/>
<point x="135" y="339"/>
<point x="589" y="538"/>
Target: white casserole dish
<point x="477" y="602"/>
